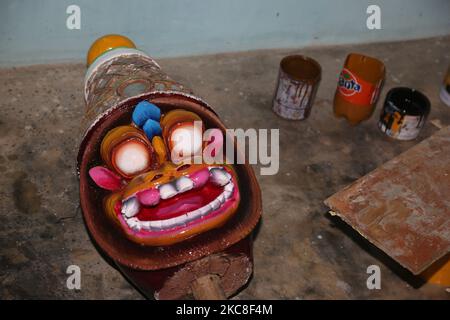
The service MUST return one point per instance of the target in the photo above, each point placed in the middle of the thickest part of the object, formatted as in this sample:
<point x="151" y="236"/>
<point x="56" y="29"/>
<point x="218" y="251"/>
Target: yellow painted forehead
<point x="106" y="43"/>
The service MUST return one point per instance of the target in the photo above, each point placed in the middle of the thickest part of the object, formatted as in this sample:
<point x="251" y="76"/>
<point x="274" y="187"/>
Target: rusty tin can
<point x="404" y="113"/>
<point x="115" y="82"/>
<point x="298" y="81"/>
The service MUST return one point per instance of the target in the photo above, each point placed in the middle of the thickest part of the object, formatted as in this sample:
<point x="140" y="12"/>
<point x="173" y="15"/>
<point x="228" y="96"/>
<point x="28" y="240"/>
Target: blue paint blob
<point x="143" y="111"/>
<point x="152" y="128"/>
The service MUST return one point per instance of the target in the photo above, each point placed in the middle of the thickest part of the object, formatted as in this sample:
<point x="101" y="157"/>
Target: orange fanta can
<point x="358" y="88"/>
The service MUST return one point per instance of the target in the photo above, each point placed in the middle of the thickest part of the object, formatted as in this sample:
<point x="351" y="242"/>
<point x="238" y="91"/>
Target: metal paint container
<point x="115" y="82"/>
<point x="298" y="81"/>
<point x="404" y="113"/>
<point x="445" y="89"/>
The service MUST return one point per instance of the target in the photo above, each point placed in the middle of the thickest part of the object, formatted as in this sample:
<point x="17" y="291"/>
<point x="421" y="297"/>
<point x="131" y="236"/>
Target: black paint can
<point x="404" y="113"/>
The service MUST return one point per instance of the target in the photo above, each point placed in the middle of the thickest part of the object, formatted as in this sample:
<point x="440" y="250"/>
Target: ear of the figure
<point x="105" y="178"/>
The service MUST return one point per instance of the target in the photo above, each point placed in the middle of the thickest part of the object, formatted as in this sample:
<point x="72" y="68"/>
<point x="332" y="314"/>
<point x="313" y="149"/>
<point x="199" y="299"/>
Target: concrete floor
<point x="300" y="252"/>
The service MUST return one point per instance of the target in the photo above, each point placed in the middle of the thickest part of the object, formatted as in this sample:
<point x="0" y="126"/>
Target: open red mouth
<point x="184" y="206"/>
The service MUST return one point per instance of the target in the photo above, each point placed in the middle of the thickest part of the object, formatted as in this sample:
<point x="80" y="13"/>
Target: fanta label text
<point x="348" y="85"/>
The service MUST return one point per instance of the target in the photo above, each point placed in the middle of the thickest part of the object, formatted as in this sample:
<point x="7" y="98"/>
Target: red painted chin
<point x="182" y="216"/>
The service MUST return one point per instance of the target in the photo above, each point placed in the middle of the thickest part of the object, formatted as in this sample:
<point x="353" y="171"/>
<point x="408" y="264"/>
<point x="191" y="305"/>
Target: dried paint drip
<point x="404" y="113"/>
<point x="298" y="82"/>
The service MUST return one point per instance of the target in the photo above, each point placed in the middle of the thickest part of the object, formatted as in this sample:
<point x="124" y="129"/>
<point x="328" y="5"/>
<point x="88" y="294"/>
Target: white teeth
<point x="180" y="185"/>
<point x="227" y="194"/>
<point x="178" y="221"/>
<point x="219" y="176"/>
<point x="184" y="184"/>
<point x="195" y="214"/>
<point x="167" y="191"/>
<point x="156" y="224"/>
<point x="134" y="224"/>
<point x="146" y="225"/>
<point x="221" y="198"/>
<point x="130" y="207"/>
<point x="215" y="204"/>
<point x="228" y="191"/>
<point x="190" y="216"/>
<point x="229" y="187"/>
<point x="165" y="224"/>
<point x="205" y="210"/>
<point x="185" y="217"/>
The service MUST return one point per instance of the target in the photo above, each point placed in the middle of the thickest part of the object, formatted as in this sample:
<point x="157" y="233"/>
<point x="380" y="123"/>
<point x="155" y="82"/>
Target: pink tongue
<point x="149" y="197"/>
<point x="200" y="177"/>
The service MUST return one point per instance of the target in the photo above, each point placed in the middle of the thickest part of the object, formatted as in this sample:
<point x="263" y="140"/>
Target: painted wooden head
<point x="147" y="202"/>
<point x="160" y="193"/>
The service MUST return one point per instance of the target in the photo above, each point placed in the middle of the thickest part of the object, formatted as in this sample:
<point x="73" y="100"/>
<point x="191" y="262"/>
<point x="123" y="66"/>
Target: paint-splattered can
<point x="298" y="81"/>
<point x="404" y="113"/>
<point x="445" y="89"/>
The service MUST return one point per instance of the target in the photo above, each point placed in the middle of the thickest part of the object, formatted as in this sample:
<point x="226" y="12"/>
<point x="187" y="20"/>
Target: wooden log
<point x="217" y="276"/>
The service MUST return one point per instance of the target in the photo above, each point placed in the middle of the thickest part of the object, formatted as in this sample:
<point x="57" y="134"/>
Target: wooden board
<point x="403" y="207"/>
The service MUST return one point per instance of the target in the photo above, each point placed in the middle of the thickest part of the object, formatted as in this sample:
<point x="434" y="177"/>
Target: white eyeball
<point x="186" y="141"/>
<point x="132" y="157"/>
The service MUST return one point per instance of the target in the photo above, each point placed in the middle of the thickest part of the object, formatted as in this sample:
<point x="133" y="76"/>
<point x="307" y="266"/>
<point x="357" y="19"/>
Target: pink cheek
<point x="149" y="197"/>
<point x="200" y="177"/>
